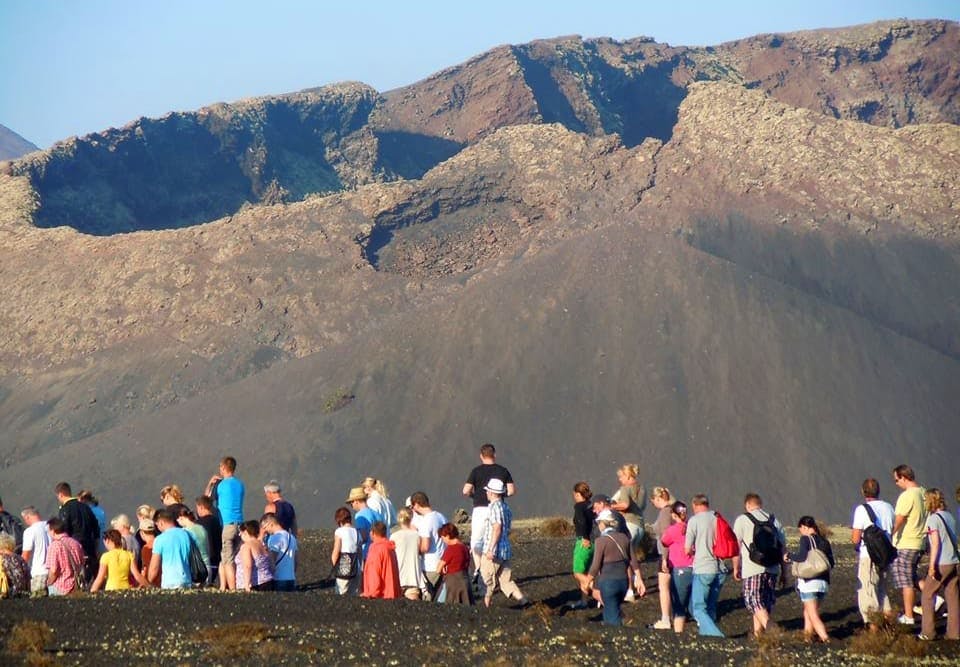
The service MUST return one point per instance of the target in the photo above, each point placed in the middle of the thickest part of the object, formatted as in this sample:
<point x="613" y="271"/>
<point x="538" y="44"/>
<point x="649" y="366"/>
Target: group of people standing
<point x="419" y="556"/>
<point x="699" y="550"/>
<point x="173" y="546"/>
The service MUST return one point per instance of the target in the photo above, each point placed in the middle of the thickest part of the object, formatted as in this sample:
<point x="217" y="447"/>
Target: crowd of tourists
<point x="417" y="554"/>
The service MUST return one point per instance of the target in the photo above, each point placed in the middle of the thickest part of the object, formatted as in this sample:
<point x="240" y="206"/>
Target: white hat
<point x="606" y="516"/>
<point x="495" y="486"/>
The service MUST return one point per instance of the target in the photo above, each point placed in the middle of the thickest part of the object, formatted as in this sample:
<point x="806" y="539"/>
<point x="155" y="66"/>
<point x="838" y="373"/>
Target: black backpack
<point x="766" y="549"/>
<point x="12" y="526"/>
<point x="878" y="544"/>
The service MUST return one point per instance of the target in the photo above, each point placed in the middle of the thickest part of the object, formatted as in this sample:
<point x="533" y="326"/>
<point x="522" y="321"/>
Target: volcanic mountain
<point x="12" y="145"/>
<point x="735" y="265"/>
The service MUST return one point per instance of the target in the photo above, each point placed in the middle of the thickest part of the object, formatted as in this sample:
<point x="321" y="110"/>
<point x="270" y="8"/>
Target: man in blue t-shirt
<point x="283" y="548"/>
<point x="363" y="516"/>
<point x="171" y="553"/>
<point x="229" y="490"/>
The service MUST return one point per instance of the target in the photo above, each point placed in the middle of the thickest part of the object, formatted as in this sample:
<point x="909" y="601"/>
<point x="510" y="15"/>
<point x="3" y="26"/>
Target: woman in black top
<point x="812" y="590"/>
<point x="582" y="546"/>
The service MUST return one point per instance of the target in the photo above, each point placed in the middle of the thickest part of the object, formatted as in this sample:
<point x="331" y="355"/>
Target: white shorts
<point x="477" y="519"/>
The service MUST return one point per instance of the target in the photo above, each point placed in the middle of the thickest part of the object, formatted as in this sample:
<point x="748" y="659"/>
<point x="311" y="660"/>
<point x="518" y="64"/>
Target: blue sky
<point x="78" y="67"/>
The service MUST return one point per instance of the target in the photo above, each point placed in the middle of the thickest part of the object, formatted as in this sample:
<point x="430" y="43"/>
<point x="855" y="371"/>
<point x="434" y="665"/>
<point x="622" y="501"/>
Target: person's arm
<point x="53" y="570"/>
<point x="635" y="574"/>
<point x="335" y="554"/>
<point x="212" y="483"/>
<point x="689" y="540"/>
<point x="467" y="489"/>
<point x="496" y="530"/>
<point x="153" y="570"/>
<point x="101" y="577"/>
<point x="597" y="562"/>
<point x="899" y="521"/>
<point x="27" y="556"/>
<point x="246" y="557"/>
<point x="934" y="537"/>
<point x="511" y="488"/>
<point x="137" y="575"/>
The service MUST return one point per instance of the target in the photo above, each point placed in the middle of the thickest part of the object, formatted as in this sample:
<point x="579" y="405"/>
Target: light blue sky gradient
<point x="78" y="67"/>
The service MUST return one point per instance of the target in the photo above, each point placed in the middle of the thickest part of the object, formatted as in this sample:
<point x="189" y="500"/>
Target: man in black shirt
<point x="474" y="488"/>
<point x="81" y="524"/>
<point x="209" y="518"/>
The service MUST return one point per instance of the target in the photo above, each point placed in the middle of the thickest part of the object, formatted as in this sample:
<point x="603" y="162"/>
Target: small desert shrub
<point x="888" y="640"/>
<point x="556" y="526"/>
<point x="234" y="640"/>
<point x="339" y="398"/>
<point x="541" y="612"/>
<point x="769" y="646"/>
<point x="29" y="637"/>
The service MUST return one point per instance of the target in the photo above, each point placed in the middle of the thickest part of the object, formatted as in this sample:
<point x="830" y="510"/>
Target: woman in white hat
<point x="613" y="567"/>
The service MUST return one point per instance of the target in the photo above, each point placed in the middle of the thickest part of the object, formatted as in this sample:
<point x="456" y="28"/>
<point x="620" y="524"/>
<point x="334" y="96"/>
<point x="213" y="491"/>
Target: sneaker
<point x="924" y="638"/>
<point x="903" y="619"/>
<point x="662" y="624"/>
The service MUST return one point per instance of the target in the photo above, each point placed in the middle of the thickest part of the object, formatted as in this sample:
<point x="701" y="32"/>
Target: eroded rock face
<point x="771" y="282"/>
<point x="188" y="168"/>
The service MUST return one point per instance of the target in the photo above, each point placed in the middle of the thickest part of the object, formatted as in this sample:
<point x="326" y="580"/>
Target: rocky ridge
<point x="765" y="273"/>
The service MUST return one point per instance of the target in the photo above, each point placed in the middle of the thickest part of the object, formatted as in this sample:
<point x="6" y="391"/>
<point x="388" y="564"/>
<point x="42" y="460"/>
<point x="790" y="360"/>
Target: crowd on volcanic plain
<point x="415" y="553"/>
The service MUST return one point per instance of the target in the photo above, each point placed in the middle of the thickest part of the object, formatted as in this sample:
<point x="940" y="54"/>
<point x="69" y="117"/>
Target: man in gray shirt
<point x="709" y="572"/>
<point x="759" y="581"/>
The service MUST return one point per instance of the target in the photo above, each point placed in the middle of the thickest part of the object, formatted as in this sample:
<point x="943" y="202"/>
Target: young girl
<point x="254" y="568"/>
<point x="117" y="566"/>
<point x="812" y="590"/>
<point x="346" y="540"/>
<point x="582" y="546"/>
<point x="453" y="565"/>
<point x="678" y="564"/>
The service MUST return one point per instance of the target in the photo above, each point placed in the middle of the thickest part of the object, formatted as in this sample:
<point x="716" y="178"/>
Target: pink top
<point x="66" y="555"/>
<point x="674" y="538"/>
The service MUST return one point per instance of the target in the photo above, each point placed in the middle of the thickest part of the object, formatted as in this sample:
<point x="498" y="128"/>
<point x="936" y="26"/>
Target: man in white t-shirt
<point x="872" y="589"/>
<point x="35" y="542"/>
<point x="431" y="546"/>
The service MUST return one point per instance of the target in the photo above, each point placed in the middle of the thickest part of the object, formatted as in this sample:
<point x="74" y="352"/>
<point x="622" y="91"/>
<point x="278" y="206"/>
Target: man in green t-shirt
<point x="908" y="534"/>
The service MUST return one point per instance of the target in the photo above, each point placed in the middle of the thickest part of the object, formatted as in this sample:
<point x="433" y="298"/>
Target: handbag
<point x="198" y="569"/>
<point x="348" y="564"/>
<point x="815" y="565"/>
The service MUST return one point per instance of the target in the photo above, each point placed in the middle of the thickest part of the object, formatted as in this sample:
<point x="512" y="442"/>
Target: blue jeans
<point x="703" y="602"/>
<point x="681" y="583"/>
<point x="612" y="593"/>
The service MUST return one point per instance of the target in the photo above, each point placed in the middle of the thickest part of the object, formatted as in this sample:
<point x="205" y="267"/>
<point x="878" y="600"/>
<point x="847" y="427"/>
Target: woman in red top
<point x="453" y="565"/>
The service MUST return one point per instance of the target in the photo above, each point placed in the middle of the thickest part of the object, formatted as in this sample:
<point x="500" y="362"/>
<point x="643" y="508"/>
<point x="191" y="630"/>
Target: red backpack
<point x="725" y="544"/>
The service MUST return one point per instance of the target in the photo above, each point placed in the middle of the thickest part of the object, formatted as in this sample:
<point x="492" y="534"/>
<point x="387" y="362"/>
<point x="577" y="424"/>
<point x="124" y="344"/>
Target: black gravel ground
<point x="314" y="626"/>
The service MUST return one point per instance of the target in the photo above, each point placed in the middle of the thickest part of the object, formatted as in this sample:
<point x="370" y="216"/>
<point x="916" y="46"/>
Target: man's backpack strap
<point x="871" y="514"/>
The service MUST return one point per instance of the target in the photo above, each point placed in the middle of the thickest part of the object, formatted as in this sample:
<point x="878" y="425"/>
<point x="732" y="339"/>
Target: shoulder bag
<point x="815" y="565"/>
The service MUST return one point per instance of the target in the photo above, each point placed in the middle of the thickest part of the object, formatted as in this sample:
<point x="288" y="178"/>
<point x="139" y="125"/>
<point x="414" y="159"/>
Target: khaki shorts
<point x="231" y="543"/>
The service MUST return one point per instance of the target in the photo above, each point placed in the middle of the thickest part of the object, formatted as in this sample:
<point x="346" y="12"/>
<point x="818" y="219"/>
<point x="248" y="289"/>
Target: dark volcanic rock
<point x="315" y="626"/>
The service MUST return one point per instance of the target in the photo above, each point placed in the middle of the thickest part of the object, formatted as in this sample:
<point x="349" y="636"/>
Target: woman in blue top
<point x="812" y="590"/>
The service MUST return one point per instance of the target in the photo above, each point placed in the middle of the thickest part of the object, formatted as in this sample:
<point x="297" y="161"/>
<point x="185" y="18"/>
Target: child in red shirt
<point x="453" y="565"/>
<point x="381" y="573"/>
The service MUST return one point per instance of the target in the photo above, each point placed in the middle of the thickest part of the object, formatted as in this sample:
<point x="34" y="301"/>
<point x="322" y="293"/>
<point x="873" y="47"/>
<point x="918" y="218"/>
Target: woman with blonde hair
<point x="172" y="498"/>
<point x="14" y="567"/>
<point x="663" y="500"/>
<point x="630" y="500"/>
<point x="943" y="574"/>
<point x="378" y="500"/>
<point x="407" y="542"/>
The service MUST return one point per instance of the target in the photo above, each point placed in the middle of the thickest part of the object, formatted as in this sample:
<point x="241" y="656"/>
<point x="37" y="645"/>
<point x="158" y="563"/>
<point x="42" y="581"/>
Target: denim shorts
<point x="806" y="597"/>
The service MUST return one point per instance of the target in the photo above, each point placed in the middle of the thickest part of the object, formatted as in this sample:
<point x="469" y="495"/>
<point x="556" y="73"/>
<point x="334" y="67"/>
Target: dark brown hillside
<point x="767" y="298"/>
<point x="617" y="345"/>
